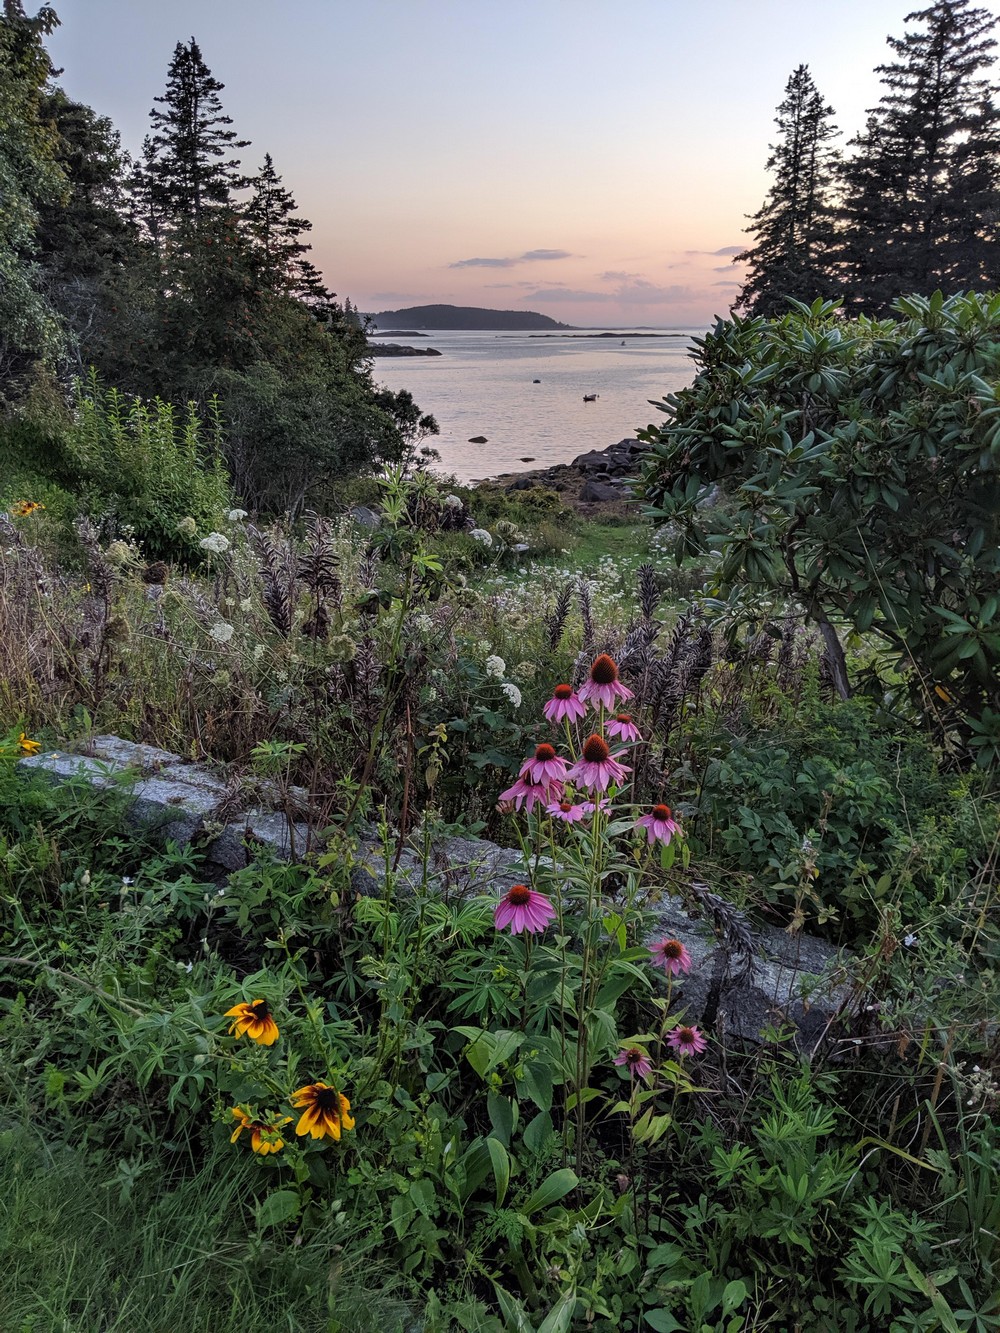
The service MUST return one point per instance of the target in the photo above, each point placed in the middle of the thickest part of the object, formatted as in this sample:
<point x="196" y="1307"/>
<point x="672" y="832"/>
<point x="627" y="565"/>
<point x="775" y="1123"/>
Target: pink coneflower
<point x="522" y="908"/>
<point x="622" y="726"/>
<point x="566" y="811"/>
<point x="597" y="767"/>
<point x="564" y="705"/>
<point x="659" y="824"/>
<point x="589" y="807"/>
<point x="687" y="1041"/>
<point x="635" y="1060"/>
<point x="545" y="766"/>
<point x="527" y="792"/>
<point x="603" y="685"/>
<point x="672" y="956"/>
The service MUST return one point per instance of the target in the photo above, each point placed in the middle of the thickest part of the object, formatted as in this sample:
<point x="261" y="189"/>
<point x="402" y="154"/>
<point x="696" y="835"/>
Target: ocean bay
<point x="483" y="384"/>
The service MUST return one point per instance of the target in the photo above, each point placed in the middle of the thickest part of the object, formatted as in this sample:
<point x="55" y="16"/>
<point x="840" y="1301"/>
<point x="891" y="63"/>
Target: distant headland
<point x="464" y="317"/>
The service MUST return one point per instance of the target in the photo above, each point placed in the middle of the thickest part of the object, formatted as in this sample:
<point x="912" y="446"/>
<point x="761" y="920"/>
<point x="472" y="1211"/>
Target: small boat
<point x="591" y="397"/>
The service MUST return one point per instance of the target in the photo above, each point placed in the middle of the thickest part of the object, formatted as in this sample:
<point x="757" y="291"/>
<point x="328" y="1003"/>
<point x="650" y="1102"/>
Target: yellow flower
<point x="265" y="1135"/>
<point x="22" y="508"/>
<point x="255" y="1020"/>
<point x="27" y="746"/>
<point x="942" y="694"/>
<point x="324" y="1111"/>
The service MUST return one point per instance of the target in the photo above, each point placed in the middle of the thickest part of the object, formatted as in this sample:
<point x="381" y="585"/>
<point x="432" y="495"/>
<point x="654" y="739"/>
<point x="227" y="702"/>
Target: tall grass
<point x="126" y="1248"/>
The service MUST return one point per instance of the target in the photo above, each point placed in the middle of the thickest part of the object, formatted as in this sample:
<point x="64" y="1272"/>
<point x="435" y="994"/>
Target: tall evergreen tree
<point x="922" y="190"/>
<point x="30" y="178"/>
<point x="274" y="229"/>
<point x="793" y="228"/>
<point x="189" y="160"/>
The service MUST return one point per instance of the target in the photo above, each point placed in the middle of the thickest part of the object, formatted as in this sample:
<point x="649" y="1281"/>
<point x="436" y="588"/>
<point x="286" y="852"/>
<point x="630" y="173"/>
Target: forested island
<point x="466" y="317"/>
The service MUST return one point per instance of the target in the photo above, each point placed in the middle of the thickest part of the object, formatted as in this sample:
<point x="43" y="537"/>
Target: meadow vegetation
<point x="307" y="1097"/>
<point x="294" y="1105"/>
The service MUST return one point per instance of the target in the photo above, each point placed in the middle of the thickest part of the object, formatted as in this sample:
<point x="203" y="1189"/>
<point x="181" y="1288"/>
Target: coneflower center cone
<point x="563" y="691"/>
<point x="661" y="811"/>
<point x="545" y="752"/>
<point x="520" y="895"/>
<point x="603" y="670"/>
<point x="595" y="749"/>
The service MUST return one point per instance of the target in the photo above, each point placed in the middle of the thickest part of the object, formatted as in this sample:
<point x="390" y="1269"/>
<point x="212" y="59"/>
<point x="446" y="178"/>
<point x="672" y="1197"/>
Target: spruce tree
<point x="921" y="191"/>
<point x="188" y="158"/>
<point x="793" y="228"/>
<point x="274" y="230"/>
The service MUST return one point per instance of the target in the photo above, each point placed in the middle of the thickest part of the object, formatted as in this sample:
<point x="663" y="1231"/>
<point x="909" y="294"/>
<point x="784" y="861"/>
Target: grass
<point x="127" y="1248"/>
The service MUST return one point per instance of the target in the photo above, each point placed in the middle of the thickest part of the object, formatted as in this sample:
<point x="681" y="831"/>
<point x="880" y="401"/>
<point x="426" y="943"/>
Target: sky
<point x="594" y="160"/>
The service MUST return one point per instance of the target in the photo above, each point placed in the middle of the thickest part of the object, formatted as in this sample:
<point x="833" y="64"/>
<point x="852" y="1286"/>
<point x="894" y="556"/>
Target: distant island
<point x="465" y="317"/>
<point x="400" y="349"/>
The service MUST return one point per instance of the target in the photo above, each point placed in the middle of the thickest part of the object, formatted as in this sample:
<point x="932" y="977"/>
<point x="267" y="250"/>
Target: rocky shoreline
<point x="595" y="483"/>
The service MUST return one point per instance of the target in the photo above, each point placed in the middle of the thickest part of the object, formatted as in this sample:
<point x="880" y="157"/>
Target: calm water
<point x="482" y="385"/>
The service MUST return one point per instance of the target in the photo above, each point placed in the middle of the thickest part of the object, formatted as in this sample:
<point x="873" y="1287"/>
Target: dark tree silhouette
<point x="793" y="229"/>
<point x="921" y="194"/>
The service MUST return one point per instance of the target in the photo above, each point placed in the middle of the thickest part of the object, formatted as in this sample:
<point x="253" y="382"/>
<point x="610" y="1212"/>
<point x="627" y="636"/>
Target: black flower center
<point x="260" y="1010"/>
<point x="661" y="811"/>
<point x="327" y="1100"/>
<point x="545" y="752"/>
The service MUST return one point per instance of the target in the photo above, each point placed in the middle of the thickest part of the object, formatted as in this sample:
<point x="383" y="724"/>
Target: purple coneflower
<point x="564" y="705"/>
<point x="597" y="767"/>
<point x="522" y="908"/>
<point x="672" y="956"/>
<point x="566" y="811"/>
<point x="687" y="1040"/>
<point x="622" y="726"/>
<point x="635" y="1060"/>
<point x="527" y="792"/>
<point x="659" y="824"/>
<point x="603" y="686"/>
<point x="545" y="766"/>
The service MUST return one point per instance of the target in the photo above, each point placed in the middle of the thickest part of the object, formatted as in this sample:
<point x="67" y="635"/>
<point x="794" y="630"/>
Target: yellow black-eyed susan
<point x="325" y="1111"/>
<point x="254" y="1020"/>
<point x="26" y="745"/>
<point x="265" y="1135"/>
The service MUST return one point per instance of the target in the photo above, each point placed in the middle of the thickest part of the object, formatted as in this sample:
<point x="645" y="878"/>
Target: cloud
<point x="616" y="275"/>
<point x="484" y="263"/>
<point x="636" y="292"/>
<point x="528" y="257"/>
<point x="730" y="283"/>
<point x="519" y="285"/>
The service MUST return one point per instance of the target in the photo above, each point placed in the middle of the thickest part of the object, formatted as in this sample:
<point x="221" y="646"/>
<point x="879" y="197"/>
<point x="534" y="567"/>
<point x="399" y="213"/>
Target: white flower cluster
<point x="215" y="542"/>
<point x="452" y="502"/>
<point x="482" y="536"/>
<point x="512" y="693"/>
<point x="236" y="515"/>
<point x="221" y="631"/>
<point x="495" y="667"/>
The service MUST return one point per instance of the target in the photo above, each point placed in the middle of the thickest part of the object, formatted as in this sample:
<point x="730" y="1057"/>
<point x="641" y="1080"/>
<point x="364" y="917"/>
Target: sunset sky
<point x="591" y="159"/>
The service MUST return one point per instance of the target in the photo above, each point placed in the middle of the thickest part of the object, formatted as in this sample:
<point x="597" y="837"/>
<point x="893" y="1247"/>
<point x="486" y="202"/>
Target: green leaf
<point x="537" y="1132"/>
<point x="279" y="1207"/>
<point x="559" y="1318"/>
<point x="662" y="1321"/>
<point x="500" y="1159"/>
<point x="551" y="1190"/>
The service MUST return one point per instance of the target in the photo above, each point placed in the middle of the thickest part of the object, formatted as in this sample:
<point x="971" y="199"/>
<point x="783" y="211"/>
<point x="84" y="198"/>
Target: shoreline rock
<point x="596" y="483"/>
